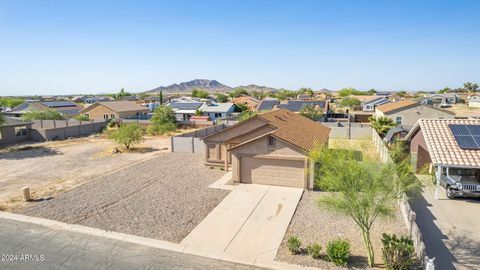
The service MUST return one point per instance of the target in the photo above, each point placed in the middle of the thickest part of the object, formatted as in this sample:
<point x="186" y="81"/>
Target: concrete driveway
<point x="249" y="223"/>
<point x="450" y="228"/>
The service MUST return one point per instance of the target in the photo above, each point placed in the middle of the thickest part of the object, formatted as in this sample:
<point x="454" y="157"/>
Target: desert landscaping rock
<point x="163" y="198"/>
<point x="312" y="224"/>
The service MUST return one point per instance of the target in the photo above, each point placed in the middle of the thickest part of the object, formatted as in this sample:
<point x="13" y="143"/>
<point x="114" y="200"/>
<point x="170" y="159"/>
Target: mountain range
<point x="207" y="85"/>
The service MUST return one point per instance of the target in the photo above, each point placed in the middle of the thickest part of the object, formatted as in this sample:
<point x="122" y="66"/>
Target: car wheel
<point x="450" y="193"/>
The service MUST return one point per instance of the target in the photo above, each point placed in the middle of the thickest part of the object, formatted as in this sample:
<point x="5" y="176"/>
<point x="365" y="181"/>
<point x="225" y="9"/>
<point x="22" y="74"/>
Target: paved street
<point x="48" y="248"/>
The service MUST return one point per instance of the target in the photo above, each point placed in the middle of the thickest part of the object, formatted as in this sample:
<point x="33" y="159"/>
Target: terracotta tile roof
<point x="296" y="129"/>
<point x="441" y="144"/>
<point x="386" y="108"/>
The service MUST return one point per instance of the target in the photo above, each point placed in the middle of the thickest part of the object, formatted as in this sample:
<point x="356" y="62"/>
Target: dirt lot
<point x="164" y="198"/>
<point x="464" y="110"/>
<point x="312" y="224"/>
<point x="365" y="146"/>
<point x="51" y="167"/>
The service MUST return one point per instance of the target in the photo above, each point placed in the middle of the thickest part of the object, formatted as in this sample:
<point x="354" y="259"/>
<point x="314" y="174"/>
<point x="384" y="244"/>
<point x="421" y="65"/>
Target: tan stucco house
<point x="407" y="112"/>
<point x="113" y="110"/>
<point x="270" y="148"/>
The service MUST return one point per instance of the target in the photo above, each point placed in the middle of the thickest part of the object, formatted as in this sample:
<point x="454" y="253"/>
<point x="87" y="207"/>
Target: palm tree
<point x="382" y="124"/>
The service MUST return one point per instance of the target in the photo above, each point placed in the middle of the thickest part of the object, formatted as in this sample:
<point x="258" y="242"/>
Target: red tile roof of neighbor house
<point x="296" y="129"/>
<point x="441" y="144"/>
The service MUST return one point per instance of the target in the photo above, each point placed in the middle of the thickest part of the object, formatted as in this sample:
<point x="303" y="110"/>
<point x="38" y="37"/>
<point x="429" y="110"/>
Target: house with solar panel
<point x="451" y="148"/>
<point x="67" y="108"/>
<point x="184" y="110"/>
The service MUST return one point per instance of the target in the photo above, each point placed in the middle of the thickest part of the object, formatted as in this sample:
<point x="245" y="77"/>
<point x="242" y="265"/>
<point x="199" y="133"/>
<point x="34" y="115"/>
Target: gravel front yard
<point x="163" y="198"/>
<point x="312" y="224"/>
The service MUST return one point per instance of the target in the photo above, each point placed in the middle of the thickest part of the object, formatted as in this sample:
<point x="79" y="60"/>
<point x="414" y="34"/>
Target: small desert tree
<point x="163" y="121"/>
<point x="382" y="124"/>
<point x="49" y="114"/>
<point x="361" y="189"/>
<point x="310" y="112"/>
<point x="127" y="135"/>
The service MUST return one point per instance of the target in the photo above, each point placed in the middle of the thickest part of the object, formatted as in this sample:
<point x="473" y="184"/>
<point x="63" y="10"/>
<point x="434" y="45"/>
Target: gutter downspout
<point x="437" y="183"/>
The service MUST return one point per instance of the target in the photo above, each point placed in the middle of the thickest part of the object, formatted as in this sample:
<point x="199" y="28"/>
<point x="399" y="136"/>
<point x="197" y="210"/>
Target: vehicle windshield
<point x="462" y="172"/>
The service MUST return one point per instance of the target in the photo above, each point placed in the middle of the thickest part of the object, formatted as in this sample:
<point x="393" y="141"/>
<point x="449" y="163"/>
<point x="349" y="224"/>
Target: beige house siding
<point x="236" y="130"/>
<point x="98" y="112"/>
<point x="410" y="116"/>
<point x="278" y="165"/>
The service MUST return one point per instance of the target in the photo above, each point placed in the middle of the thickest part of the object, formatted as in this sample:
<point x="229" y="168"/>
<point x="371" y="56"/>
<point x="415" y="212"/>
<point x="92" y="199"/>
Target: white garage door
<point x="278" y="172"/>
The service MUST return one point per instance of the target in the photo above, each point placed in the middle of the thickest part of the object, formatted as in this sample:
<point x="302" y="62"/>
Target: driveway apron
<point x="250" y="222"/>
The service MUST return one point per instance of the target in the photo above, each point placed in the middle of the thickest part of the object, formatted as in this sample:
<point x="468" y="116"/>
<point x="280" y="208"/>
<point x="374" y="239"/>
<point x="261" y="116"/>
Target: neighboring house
<point x="66" y="108"/>
<point x="113" y="110"/>
<point x="369" y="105"/>
<point x="474" y="101"/>
<point x="444" y="144"/>
<point x="184" y="110"/>
<point x="304" y="97"/>
<point x="14" y="130"/>
<point x="248" y="101"/>
<point x="440" y="99"/>
<point x="296" y="106"/>
<point x="267" y="105"/>
<point x="395" y="134"/>
<point x="270" y="148"/>
<point x="92" y="100"/>
<point x="407" y="112"/>
<point x="217" y="111"/>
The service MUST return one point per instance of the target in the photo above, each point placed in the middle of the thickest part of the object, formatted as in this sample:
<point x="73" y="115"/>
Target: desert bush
<point x="294" y="244"/>
<point x="161" y="129"/>
<point x="338" y="251"/>
<point x="127" y="135"/>
<point x="397" y="252"/>
<point x="314" y="250"/>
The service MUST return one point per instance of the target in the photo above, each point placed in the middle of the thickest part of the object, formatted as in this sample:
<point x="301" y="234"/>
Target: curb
<point x="150" y="242"/>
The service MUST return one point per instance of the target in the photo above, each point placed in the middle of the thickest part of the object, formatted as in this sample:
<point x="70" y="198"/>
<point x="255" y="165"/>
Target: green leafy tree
<point x="344" y="92"/>
<point x="198" y="112"/>
<point x="470" y="87"/>
<point x="372" y="91"/>
<point x="163" y="115"/>
<point x="221" y="98"/>
<point x="258" y="95"/>
<point x="199" y="93"/>
<point x="246" y="115"/>
<point x="81" y="117"/>
<point x="49" y="114"/>
<point x="127" y="135"/>
<point x="241" y="107"/>
<point x="444" y="90"/>
<point x="121" y="94"/>
<point x="382" y="124"/>
<point x="360" y="189"/>
<point x="350" y="102"/>
<point x="238" y="92"/>
<point x="402" y="93"/>
<point x="310" y="112"/>
<point x="10" y="102"/>
<point x="285" y="94"/>
<point x="304" y="90"/>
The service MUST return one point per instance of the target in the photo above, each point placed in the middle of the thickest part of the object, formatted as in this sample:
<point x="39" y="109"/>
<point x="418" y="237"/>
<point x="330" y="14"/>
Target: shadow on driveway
<point x="453" y="248"/>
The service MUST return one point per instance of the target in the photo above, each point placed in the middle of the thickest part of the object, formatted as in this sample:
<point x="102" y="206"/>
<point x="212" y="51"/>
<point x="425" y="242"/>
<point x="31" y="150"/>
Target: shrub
<point x="163" y="115"/>
<point x="338" y="251"/>
<point x="314" y="250"/>
<point x="294" y="244"/>
<point x="112" y="123"/>
<point x="127" y="135"/>
<point x="397" y="252"/>
<point x="161" y="129"/>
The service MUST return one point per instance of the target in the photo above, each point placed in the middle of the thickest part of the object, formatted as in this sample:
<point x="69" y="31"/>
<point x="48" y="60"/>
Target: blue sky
<point x="55" y="47"/>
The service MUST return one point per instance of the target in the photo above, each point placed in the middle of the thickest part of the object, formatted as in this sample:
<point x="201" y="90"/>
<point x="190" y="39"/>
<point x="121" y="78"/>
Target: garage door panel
<point x="272" y="172"/>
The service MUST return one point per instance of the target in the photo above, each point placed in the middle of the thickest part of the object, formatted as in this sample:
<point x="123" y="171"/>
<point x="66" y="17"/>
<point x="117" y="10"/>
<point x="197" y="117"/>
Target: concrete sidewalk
<point x="249" y="223"/>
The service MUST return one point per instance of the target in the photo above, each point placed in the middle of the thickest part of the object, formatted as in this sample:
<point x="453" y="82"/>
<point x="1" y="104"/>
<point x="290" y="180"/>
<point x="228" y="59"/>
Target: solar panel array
<point x="467" y="136"/>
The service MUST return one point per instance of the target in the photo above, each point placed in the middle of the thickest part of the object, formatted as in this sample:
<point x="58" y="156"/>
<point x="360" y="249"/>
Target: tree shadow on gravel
<point x="29" y="152"/>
